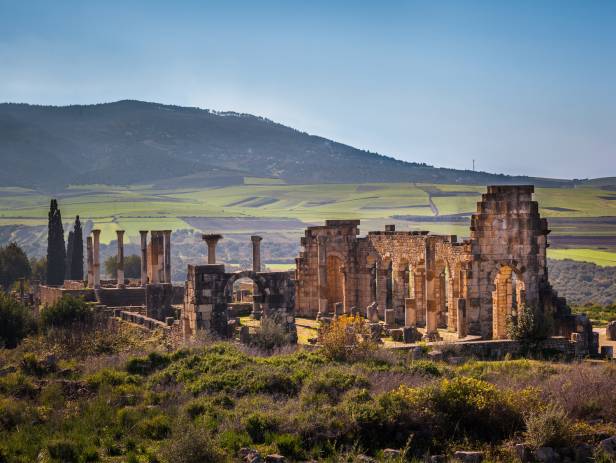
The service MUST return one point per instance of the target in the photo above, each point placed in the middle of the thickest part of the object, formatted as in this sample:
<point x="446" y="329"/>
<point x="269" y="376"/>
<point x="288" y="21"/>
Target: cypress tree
<point x="69" y="257"/>
<point x="77" y="252"/>
<point x="56" y="252"/>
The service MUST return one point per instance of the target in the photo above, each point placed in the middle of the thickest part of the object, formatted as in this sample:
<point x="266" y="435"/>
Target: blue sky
<point x="522" y="87"/>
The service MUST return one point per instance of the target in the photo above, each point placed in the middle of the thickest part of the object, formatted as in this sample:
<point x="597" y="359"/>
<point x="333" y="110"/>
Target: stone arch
<point x="260" y="284"/>
<point x="507" y="297"/>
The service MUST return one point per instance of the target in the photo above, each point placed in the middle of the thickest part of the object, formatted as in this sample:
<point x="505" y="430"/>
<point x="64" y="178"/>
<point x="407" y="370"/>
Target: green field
<point x="577" y="214"/>
<point x="603" y="258"/>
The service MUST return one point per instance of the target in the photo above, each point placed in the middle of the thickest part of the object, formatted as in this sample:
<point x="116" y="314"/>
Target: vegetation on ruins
<point x="527" y="325"/>
<point x="132" y="266"/>
<point x="56" y="252"/>
<point x="14" y="265"/>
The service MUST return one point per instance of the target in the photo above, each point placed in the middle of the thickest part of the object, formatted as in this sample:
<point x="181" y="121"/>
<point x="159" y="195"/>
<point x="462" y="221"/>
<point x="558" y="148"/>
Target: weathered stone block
<point x="610" y="331"/>
<point x="468" y="457"/>
<point x="397" y="334"/>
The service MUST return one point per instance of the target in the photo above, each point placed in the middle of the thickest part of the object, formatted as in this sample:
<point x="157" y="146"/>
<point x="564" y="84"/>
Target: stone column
<point x="430" y="295"/>
<point x="256" y="267"/>
<point x="256" y="253"/>
<point x="322" y="275"/>
<point x="90" y="262"/>
<point x="410" y="312"/>
<point x="167" y="256"/>
<point x="211" y="240"/>
<point x="156" y="263"/>
<point x="96" y="235"/>
<point x="461" y="317"/>
<point x="144" y="257"/>
<point x="120" y="259"/>
<point x="420" y="294"/>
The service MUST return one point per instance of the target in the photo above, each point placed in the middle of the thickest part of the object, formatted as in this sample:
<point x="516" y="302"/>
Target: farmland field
<point x="583" y="219"/>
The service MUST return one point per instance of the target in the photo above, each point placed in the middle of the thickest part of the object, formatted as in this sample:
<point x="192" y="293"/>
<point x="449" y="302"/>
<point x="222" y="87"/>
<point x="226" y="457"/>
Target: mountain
<point x="130" y="142"/>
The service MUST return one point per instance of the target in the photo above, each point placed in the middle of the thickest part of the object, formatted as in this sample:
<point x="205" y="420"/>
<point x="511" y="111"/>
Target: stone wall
<point x="49" y="295"/>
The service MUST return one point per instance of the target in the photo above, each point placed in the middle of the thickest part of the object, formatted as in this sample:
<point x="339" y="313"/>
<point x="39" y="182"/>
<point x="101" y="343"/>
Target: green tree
<point x="74" y="252"/>
<point x="16" y="321"/>
<point x="528" y="326"/>
<point x="56" y="251"/>
<point x="39" y="269"/>
<point x="14" y="264"/>
<point x="132" y="266"/>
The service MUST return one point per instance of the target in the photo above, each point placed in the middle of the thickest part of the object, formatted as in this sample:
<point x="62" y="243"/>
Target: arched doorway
<point x="247" y="285"/>
<point x="335" y="281"/>
<point x="507" y="298"/>
<point x="243" y="290"/>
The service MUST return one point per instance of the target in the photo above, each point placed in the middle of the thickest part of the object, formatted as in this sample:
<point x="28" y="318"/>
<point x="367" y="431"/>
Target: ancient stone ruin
<point x="413" y="278"/>
<point x="209" y="291"/>
<point x="410" y="283"/>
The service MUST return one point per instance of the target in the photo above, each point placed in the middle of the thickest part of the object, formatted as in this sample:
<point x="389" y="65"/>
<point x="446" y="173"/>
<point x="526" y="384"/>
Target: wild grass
<point x="142" y="403"/>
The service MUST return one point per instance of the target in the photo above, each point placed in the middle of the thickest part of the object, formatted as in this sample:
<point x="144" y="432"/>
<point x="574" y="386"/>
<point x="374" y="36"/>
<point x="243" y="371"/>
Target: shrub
<point x="63" y="450"/>
<point x="475" y="407"/>
<point x="270" y="335"/>
<point x="146" y="365"/>
<point x="346" y="338"/>
<point x="258" y="426"/>
<point x="12" y="413"/>
<point x="331" y="384"/>
<point x="425" y="368"/>
<point x="528" y="326"/>
<point x="155" y="428"/>
<point x="16" y="321"/>
<point x="32" y="365"/>
<point x="290" y="446"/>
<point x="66" y="312"/>
<point x="191" y="445"/>
<point x="548" y="426"/>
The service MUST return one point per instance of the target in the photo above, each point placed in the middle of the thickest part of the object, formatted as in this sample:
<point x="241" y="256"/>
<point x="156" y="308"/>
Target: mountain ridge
<point x="133" y="142"/>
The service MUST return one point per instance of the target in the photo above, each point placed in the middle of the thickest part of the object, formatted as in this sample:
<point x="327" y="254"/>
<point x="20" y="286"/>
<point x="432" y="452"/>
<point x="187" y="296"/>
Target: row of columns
<point x="94" y="264"/>
<point x="212" y="240"/>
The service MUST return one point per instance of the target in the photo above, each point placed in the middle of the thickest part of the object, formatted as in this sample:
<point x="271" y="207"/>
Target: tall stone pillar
<point x="211" y="240"/>
<point x="461" y="317"/>
<point x="96" y="244"/>
<point x="144" y="257"/>
<point x="410" y="312"/>
<point x="120" y="259"/>
<point x="419" y="285"/>
<point x="156" y="263"/>
<point x="430" y="295"/>
<point x="256" y="267"/>
<point x="256" y="253"/>
<point x="167" y="256"/>
<point x="322" y="275"/>
<point x="90" y="262"/>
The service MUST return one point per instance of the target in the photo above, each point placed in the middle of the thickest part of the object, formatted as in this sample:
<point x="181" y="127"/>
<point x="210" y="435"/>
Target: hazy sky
<point x="525" y="87"/>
